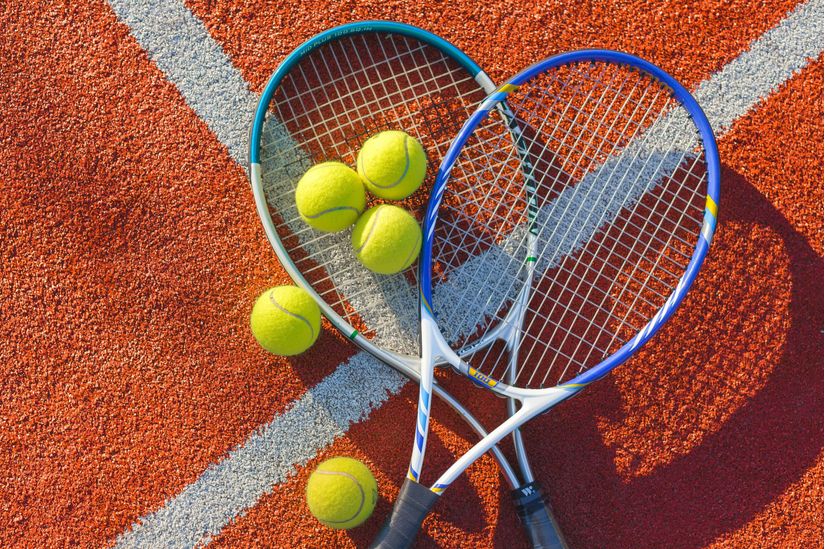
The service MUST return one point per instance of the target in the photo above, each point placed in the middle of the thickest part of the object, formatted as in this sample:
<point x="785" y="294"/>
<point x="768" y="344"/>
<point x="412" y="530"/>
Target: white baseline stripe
<point x="770" y="62"/>
<point x="183" y="50"/>
<point x="268" y="457"/>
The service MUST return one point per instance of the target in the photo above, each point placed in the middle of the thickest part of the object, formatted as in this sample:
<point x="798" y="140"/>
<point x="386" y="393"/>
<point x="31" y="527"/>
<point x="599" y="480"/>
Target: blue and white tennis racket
<point x="326" y="98"/>
<point x="554" y="275"/>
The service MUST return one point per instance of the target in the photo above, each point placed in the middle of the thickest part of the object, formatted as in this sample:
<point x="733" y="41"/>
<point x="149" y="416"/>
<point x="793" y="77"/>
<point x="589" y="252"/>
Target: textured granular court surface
<point x="137" y="410"/>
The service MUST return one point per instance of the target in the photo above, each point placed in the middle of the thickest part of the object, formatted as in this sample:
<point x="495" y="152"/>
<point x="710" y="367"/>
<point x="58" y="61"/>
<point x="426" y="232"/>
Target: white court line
<point x="769" y="62"/>
<point x="190" y="59"/>
<point x="268" y="457"/>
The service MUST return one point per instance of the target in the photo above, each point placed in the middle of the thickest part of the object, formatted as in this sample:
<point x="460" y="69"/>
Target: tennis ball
<point x="386" y="239"/>
<point x="285" y="320"/>
<point x="341" y="493"/>
<point x="392" y="165"/>
<point x="330" y="196"/>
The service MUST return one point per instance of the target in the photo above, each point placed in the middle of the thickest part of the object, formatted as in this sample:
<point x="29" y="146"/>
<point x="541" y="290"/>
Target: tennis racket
<point x="326" y="98"/>
<point x="569" y="280"/>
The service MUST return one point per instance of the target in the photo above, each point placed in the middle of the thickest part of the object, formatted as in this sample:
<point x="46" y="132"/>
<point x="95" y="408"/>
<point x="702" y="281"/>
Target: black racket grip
<point x="411" y="508"/>
<point x="542" y="529"/>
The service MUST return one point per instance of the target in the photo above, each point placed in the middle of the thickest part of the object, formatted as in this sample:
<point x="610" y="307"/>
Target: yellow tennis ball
<point x="285" y="320"/>
<point x="341" y="493"/>
<point x="330" y="196"/>
<point x="392" y="165"/>
<point x="386" y="239"/>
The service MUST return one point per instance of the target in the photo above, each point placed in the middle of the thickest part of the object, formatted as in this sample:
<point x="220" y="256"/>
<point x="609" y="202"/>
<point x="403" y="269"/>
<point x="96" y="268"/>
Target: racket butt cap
<point x="411" y="508"/>
<point x="540" y="525"/>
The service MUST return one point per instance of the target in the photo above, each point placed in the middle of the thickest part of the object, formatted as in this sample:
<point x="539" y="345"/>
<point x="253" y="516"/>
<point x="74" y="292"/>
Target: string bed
<point x="332" y="101"/>
<point x="585" y="226"/>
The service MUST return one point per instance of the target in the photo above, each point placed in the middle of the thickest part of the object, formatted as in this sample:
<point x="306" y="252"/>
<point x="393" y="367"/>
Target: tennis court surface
<point x="137" y="409"/>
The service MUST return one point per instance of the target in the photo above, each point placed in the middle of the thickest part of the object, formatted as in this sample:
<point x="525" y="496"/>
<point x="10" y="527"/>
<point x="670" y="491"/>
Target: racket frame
<point x="539" y="523"/>
<point x="407" y="365"/>
<point x="536" y="401"/>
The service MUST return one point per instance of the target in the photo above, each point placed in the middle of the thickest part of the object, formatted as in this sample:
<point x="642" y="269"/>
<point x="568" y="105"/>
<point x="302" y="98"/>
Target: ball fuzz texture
<point x="386" y="239"/>
<point x="341" y="493"/>
<point x="285" y="320"/>
<point x="330" y="196"/>
<point x="392" y="165"/>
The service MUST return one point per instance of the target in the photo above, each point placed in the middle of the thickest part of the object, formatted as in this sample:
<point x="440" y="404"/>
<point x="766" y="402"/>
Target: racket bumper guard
<point x="542" y="529"/>
<point x="411" y="508"/>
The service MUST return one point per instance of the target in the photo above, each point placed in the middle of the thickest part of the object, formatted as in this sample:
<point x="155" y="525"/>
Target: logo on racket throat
<point x="497" y="96"/>
<point x="482" y="379"/>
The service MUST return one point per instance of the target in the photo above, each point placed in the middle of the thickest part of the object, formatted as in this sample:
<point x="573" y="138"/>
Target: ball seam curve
<point x="293" y="315"/>
<point x="360" y="489"/>
<point x="403" y="175"/>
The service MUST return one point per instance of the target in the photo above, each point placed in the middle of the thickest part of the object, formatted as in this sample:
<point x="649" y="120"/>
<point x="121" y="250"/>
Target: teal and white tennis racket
<point x="328" y="97"/>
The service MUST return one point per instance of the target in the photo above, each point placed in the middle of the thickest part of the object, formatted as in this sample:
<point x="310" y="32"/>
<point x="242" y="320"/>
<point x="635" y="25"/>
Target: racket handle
<point x="411" y="508"/>
<point x="542" y="529"/>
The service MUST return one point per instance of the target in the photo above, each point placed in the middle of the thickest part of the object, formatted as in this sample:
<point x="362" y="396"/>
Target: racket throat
<point x="518" y="445"/>
<point x="510" y="329"/>
<point x="530" y="408"/>
<point x="430" y="349"/>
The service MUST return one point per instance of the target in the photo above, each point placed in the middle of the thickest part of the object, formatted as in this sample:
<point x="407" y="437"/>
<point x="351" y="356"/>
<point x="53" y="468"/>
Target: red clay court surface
<point x="131" y="255"/>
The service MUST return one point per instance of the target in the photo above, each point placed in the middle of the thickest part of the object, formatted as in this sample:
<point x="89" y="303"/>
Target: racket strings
<point x="599" y="352"/>
<point x="681" y="214"/>
<point x="574" y="123"/>
<point x="621" y="329"/>
<point x="616" y="218"/>
<point x="472" y="224"/>
<point x="350" y="113"/>
<point x="333" y="138"/>
<point x="616" y="297"/>
<point x="575" y="165"/>
<point x="486" y="212"/>
<point x="515" y="160"/>
<point x="324" y="109"/>
<point x="590" y="343"/>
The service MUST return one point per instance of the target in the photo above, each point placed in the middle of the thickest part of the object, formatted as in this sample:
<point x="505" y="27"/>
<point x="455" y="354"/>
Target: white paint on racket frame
<point x="182" y="48"/>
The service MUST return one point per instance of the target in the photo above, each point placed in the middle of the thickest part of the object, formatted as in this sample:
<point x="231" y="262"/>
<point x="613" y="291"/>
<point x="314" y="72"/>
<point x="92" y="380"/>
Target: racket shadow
<point x="677" y="492"/>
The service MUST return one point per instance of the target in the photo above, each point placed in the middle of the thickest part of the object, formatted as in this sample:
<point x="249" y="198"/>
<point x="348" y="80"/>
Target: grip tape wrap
<point x="542" y="529"/>
<point x="411" y="508"/>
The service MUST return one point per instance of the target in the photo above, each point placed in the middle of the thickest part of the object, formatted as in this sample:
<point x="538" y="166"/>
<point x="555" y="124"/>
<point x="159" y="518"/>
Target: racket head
<point x="654" y="192"/>
<point x="321" y="104"/>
